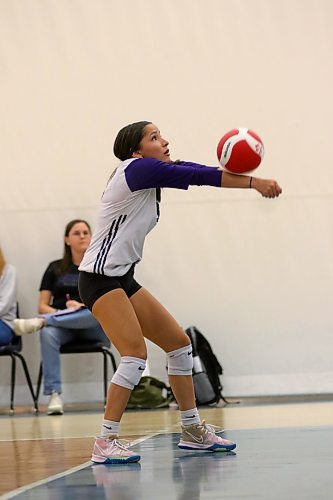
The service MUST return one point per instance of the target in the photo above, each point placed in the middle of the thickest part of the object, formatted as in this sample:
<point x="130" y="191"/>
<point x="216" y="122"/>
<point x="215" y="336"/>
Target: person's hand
<point x="73" y="303"/>
<point x="266" y="187"/>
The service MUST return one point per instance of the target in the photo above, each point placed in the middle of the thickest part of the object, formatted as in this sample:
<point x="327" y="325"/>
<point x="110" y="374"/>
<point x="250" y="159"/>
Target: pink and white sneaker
<point x="203" y="437"/>
<point x="111" y="450"/>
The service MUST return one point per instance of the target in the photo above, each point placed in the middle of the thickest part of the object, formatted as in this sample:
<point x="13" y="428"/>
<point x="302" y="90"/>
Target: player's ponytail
<point x="128" y="140"/>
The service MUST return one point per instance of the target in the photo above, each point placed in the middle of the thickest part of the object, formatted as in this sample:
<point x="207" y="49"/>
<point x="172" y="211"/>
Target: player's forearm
<point x="235" y="181"/>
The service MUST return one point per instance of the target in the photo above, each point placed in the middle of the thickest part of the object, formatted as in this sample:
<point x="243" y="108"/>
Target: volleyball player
<point x="127" y="312"/>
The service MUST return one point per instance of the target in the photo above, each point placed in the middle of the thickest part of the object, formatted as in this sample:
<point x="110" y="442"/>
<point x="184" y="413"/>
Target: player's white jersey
<point x="130" y="209"/>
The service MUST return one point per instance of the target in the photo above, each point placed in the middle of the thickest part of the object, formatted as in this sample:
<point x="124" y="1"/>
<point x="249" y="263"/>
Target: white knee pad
<point x="129" y="372"/>
<point x="180" y="361"/>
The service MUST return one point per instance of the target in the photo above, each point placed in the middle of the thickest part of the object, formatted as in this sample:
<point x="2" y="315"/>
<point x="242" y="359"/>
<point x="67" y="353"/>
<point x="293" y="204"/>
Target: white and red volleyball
<point x="240" y="151"/>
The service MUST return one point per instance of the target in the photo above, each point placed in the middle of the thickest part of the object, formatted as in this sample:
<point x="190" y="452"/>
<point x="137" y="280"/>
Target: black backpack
<point x="206" y="370"/>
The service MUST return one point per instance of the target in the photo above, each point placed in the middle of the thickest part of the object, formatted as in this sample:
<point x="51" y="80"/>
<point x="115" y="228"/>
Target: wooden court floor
<point x="284" y="450"/>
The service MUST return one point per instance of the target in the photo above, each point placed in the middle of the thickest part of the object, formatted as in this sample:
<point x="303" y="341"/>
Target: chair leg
<point x="39" y="381"/>
<point x="107" y="353"/>
<point x="27" y="376"/>
<point x="12" y="383"/>
<point x="113" y="361"/>
<point x="105" y="373"/>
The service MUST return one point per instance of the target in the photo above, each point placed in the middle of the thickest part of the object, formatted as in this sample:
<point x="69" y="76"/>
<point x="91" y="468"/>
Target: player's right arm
<point x="268" y="188"/>
<point x="145" y="173"/>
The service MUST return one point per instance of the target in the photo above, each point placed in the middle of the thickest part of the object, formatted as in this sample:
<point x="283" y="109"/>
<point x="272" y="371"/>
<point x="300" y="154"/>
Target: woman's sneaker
<point x="111" y="450"/>
<point x="55" y="406"/>
<point x="23" y="326"/>
<point x="203" y="437"/>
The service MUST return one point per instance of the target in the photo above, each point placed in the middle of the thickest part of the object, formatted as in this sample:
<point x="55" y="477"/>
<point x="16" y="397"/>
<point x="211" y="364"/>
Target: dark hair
<point x="66" y="260"/>
<point x="128" y="140"/>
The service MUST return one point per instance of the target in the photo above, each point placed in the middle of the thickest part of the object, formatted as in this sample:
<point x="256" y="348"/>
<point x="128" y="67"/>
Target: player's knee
<point x="129" y="372"/>
<point x="180" y="361"/>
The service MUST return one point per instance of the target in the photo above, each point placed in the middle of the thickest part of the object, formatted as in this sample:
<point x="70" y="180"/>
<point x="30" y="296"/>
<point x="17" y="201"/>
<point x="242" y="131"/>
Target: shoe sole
<point x="114" y="461"/>
<point x="55" y="412"/>
<point x="214" y="447"/>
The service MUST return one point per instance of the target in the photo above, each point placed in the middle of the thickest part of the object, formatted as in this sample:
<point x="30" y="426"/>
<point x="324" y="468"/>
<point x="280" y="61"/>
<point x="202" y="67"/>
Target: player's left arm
<point x="268" y="188"/>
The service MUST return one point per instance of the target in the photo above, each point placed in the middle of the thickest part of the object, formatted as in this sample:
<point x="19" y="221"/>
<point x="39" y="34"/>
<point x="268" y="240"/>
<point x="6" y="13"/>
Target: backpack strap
<point x="193" y="337"/>
<point x="155" y="381"/>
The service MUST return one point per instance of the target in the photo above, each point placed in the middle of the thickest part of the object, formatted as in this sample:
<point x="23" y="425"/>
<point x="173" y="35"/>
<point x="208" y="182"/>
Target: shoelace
<point x="122" y="443"/>
<point x="212" y="428"/>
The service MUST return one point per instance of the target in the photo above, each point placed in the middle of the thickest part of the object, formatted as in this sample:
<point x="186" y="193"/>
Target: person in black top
<point x="65" y="317"/>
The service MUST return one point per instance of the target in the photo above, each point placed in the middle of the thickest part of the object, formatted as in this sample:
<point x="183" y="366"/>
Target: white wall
<point x="254" y="275"/>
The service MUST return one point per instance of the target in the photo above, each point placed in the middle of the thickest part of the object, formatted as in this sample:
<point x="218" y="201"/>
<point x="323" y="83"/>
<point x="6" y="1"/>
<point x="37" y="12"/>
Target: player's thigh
<point x="118" y="319"/>
<point x="157" y="324"/>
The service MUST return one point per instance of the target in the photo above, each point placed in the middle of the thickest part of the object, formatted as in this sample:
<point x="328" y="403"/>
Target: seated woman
<point x="63" y="316"/>
<point x="8" y="305"/>
<point x="9" y="324"/>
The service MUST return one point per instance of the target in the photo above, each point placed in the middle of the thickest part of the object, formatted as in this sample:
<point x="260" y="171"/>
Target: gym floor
<point x="284" y="450"/>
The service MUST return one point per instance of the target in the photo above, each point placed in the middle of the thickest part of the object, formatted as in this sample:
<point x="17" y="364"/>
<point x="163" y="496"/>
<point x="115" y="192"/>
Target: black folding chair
<point x="83" y="348"/>
<point x="14" y="351"/>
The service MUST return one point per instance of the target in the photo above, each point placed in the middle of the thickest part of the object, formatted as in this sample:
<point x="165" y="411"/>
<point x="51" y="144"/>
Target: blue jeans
<point x="6" y="333"/>
<point x="60" y="330"/>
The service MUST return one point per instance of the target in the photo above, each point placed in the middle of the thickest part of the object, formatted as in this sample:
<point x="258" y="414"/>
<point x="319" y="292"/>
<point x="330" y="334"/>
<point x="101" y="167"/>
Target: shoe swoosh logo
<point x="189" y="353"/>
<point x="107" y="427"/>
<point x="141" y="369"/>
<point x="198" y="440"/>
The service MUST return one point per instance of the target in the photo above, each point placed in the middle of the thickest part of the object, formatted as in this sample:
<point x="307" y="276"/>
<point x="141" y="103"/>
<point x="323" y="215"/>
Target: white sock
<point x="190" y="417"/>
<point x="109" y="427"/>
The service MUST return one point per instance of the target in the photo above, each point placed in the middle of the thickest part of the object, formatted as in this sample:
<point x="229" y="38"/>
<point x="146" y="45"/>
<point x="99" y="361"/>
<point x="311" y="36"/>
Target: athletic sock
<point x="109" y="427"/>
<point x="190" y="417"/>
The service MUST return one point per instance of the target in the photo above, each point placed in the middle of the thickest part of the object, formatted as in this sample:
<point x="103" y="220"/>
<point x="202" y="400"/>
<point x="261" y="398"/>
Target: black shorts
<point x="93" y="286"/>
